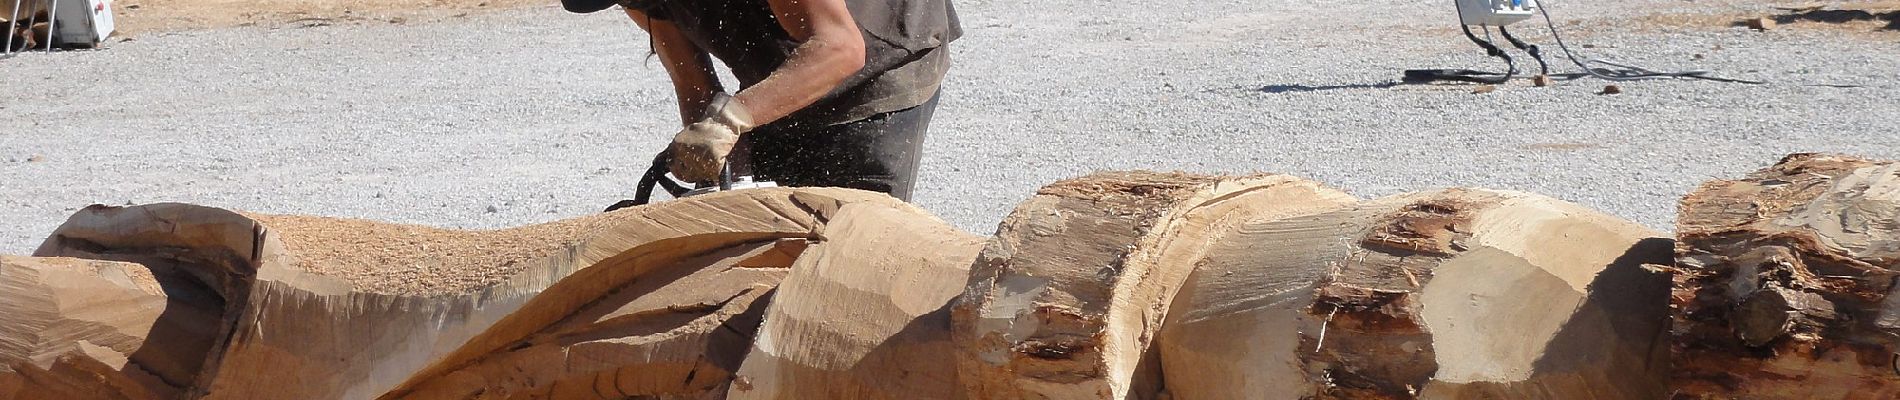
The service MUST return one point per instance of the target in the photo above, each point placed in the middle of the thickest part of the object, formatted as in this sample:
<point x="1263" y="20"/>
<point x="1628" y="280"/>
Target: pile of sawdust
<point x="386" y="258"/>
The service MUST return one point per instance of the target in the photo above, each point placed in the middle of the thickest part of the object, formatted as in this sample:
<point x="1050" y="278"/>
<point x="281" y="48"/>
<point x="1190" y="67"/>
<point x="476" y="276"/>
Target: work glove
<point x="701" y="149"/>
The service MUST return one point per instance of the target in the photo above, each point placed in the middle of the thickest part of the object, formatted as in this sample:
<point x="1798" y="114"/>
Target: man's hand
<point x="701" y="149"/>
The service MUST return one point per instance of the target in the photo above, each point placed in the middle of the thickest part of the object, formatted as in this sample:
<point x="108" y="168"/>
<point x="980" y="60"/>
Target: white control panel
<point x="1495" y="12"/>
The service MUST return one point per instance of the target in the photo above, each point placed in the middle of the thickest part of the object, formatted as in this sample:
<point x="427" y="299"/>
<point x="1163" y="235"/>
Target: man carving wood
<point x="832" y="92"/>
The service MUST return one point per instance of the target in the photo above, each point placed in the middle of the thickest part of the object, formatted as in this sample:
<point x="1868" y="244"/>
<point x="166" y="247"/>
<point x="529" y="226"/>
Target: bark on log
<point x="1064" y="302"/>
<point x="88" y="329"/>
<point x="1786" y="286"/>
<point x="333" y="308"/>
<point x="1455" y="294"/>
<point x="865" y="313"/>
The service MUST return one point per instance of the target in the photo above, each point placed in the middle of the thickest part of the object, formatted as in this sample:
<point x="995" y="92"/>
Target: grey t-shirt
<point x="904" y="42"/>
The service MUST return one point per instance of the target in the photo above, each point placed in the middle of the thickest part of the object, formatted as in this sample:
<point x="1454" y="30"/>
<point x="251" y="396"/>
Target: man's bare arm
<point x="694" y="82"/>
<point x="830" y="50"/>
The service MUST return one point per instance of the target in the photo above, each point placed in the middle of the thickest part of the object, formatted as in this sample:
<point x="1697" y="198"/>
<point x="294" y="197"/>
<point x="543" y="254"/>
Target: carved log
<point x="1065" y="301"/>
<point x="865" y="313"/>
<point x="89" y="329"/>
<point x="1455" y="294"/>
<point x="334" y="308"/>
<point x="1786" y="287"/>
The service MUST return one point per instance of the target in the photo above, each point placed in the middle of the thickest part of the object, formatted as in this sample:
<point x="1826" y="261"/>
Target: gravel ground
<point x="503" y="119"/>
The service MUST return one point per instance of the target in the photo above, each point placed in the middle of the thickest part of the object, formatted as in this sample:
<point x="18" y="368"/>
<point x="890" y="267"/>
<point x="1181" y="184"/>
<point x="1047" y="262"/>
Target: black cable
<point x="1494" y="51"/>
<point x="1542" y="68"/>
<point x="1469" y="75"/>
<point x="1628" y="72"/>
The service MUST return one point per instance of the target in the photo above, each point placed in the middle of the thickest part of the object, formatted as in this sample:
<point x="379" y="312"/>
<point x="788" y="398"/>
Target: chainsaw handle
<point x="655" y="175"/>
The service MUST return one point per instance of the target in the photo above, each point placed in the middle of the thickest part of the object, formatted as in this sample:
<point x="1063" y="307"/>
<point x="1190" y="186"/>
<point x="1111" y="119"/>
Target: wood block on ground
<point x="1761" y="23"/>
<point x="1787" y="282"/>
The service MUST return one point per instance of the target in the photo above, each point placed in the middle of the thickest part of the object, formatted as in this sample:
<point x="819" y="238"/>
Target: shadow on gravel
<point x="1310" y="88"/>
<point x="1838" y="17"/>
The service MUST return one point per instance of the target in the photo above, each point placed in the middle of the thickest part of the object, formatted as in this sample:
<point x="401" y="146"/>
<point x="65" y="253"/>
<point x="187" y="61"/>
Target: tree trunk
<point x="1065" y="301"/>
<point x="864" y="314"/>
<point x="1786" y="288"/>
<point x="1463" y="294"/>
<point x="1123" y="285"/>
<point x="335" y="308"/>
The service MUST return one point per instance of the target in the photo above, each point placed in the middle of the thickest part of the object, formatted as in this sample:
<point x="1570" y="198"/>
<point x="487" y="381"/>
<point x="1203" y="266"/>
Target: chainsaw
<point x="656" y="176"/>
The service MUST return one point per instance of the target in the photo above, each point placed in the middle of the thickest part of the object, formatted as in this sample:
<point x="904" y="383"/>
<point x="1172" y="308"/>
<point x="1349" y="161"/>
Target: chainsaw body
<point x="736" y="183"/>
<point x="656" y="176"/>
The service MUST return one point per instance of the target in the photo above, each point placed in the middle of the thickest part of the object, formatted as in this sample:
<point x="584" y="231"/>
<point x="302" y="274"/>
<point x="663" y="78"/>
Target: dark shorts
<point x="880" y="153"/>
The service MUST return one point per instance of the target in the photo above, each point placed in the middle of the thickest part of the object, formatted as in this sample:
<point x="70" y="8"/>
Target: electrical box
<point x="1495" y="12"/>
<point x="82" y="23"/>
